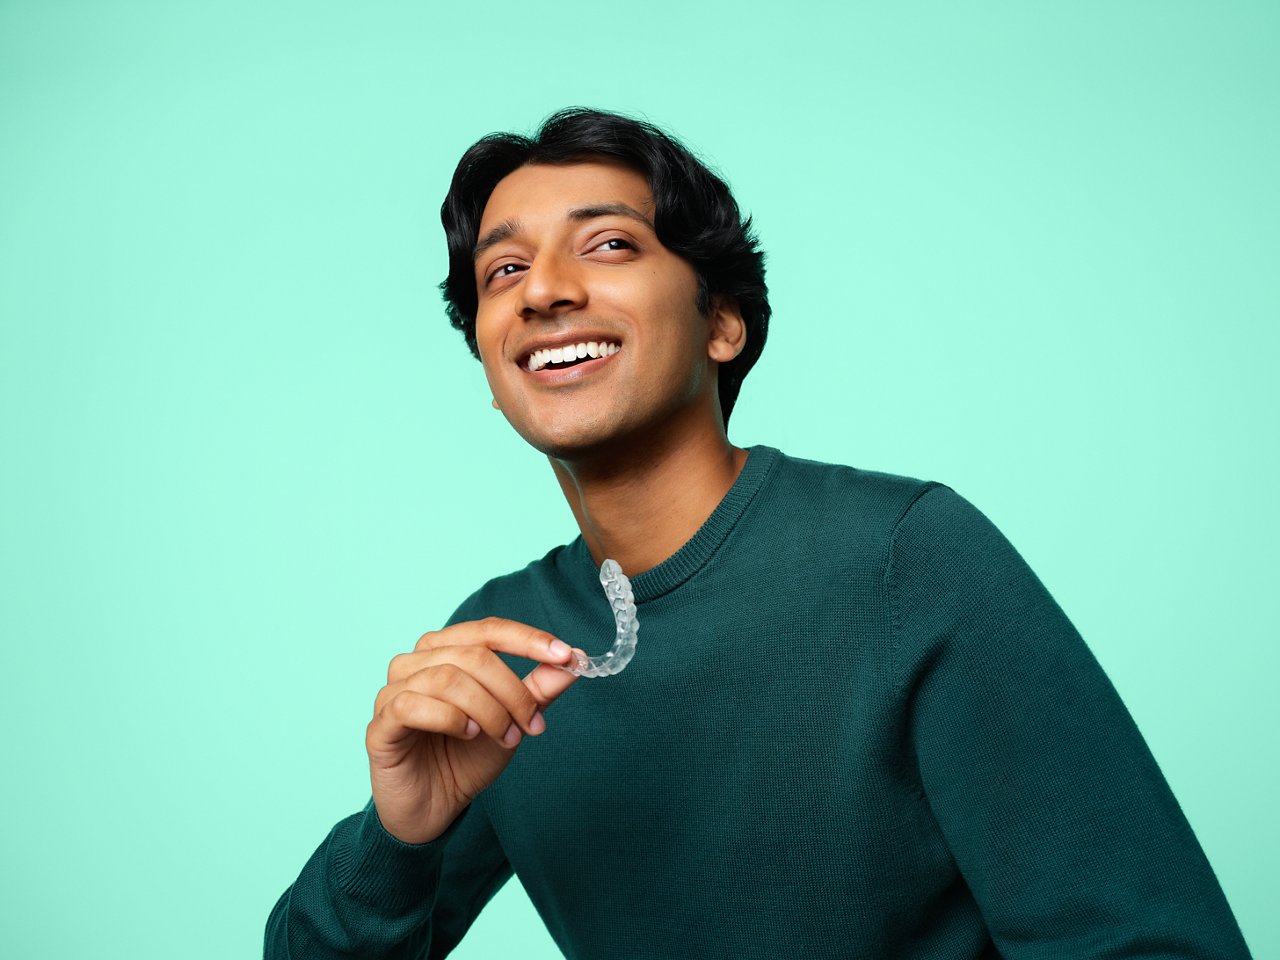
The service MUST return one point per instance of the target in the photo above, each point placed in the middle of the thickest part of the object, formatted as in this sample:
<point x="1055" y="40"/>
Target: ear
<point x="494" y="401"/>
<point x="728" y="331"/>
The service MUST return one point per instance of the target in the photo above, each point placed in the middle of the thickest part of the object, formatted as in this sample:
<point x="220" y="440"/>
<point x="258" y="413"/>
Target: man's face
<point x="568" y="256"/>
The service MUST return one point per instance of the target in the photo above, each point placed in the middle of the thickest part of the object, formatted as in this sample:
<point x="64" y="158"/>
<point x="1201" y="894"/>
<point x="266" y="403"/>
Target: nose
<point x="551" y="285"/>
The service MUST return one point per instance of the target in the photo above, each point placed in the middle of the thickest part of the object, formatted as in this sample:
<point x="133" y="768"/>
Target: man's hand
<point x="450" y="717"/>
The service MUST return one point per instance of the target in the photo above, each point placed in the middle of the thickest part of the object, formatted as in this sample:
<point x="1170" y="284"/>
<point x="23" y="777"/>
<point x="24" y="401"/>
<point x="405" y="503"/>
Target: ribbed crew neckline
<point x="699" y="548"/>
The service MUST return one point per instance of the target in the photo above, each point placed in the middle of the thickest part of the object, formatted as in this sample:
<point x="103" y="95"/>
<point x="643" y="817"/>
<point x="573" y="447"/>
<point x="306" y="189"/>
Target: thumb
<point x="546" y="682"/>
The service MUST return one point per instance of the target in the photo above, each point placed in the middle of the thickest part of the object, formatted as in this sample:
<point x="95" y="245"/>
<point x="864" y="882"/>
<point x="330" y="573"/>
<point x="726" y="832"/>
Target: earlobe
<point x="494" y="401"/>
<point x="728" y="334"/>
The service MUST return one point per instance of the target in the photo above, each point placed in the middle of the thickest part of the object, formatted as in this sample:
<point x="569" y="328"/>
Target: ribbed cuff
<point x="374" y="867"/>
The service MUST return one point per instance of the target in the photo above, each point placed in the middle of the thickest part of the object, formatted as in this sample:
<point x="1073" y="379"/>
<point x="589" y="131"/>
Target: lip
<point x="578" y="371"/>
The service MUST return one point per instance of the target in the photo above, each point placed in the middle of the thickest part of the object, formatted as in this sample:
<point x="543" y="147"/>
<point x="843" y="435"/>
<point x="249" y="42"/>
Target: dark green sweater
<point x="856" y="725"/>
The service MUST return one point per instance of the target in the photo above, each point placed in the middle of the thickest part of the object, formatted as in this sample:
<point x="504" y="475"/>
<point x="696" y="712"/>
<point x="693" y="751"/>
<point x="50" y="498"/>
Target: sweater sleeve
<point x="366" y="894"/>
<point x="1055" y="812"/>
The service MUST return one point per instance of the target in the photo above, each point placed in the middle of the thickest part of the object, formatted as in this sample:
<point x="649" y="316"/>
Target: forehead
<point x="543" y="192"/>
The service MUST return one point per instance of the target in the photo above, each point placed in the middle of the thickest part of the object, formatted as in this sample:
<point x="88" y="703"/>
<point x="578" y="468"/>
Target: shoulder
<point x="925" y="535"/>
<point x="844" y="498"/>
<point x="954" y="576"/>
<point x="941" y="529"/>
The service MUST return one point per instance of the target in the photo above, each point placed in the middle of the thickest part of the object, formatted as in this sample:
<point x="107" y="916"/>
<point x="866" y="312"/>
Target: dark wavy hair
<point x="695" y="217"/>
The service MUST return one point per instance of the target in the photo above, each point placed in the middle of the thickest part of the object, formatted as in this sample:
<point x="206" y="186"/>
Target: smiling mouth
<point x="569" y="355"/>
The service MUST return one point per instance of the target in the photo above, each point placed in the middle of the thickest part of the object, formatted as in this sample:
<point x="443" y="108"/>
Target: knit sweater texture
<point x="856" y="725"/>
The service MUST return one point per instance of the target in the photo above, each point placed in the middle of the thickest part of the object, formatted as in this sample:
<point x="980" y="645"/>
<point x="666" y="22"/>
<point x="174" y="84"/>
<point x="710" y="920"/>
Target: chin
<point x="571" y="448"/>
<point x="577" y="441"/>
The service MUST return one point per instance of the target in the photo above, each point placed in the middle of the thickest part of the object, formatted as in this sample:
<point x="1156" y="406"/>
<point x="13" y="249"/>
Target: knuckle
<point x="396" y="667"/>
<point x="446" y="676"/>
<point x="426" y="641"/>
<point x="399" y="704"/>
<point x="475" y="657"/>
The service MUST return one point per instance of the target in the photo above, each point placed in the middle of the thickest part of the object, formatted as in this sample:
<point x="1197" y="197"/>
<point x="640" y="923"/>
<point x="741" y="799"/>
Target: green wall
<point x="1028" y="250"/>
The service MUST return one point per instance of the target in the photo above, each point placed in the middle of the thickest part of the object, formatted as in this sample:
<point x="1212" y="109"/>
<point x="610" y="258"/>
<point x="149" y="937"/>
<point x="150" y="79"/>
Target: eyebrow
<point x="509" y="228"/>
<point x="503" y="231"/>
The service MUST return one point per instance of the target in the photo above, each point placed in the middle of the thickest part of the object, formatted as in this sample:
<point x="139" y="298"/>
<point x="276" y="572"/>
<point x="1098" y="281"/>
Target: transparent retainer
<point x="618" y="589"/>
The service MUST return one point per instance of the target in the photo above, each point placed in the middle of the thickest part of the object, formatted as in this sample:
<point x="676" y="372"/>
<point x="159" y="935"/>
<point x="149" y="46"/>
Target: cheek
<point x="490" y="356"/>
<point x="486" y="337"/>
<point x="667" y="300"/>
<point x="684" y="329"/>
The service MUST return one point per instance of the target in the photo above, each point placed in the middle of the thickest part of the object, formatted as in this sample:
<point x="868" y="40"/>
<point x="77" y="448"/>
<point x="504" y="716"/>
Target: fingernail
<point x="538" y="723"/>
<point x="512" y="736"/>
<point x="472" y="728"/>
<point x="559" y="649"/>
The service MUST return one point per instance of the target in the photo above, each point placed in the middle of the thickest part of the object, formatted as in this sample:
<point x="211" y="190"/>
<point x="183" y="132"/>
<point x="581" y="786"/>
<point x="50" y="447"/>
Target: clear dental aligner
<point x="618" y="589"/>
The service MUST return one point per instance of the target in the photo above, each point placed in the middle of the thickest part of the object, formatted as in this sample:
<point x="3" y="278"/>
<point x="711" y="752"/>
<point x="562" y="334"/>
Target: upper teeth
<point x="570" y="351"/>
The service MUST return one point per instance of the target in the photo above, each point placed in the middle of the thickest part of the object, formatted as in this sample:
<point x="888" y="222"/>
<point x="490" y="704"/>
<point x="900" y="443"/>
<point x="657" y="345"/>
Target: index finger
<point x="499" y="635"/>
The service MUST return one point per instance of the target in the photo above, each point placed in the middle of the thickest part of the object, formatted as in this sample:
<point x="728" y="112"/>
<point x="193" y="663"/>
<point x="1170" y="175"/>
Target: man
<point x="857" y="725"/>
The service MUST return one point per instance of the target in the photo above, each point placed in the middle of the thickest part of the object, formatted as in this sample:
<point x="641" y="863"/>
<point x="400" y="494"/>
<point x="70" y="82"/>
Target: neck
<point x="640" y="505"/>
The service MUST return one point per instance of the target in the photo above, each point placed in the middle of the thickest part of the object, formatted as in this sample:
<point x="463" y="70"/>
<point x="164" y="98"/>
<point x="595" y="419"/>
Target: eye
<point x="503" y="270"/>
<point x="620" y="244"/>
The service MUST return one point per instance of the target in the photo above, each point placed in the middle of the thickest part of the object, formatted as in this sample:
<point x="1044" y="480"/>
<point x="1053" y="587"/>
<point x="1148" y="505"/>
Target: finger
<point x="507" y="700"/>
<point x="498" y="634"/>
<point x="410" y="711"/>
<point x="470" y="694"/>
<point x="450" y="684"/>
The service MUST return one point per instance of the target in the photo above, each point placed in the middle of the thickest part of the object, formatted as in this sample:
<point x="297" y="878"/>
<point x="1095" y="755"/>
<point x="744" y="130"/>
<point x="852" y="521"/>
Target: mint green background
<point x="1028" y="250"/>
